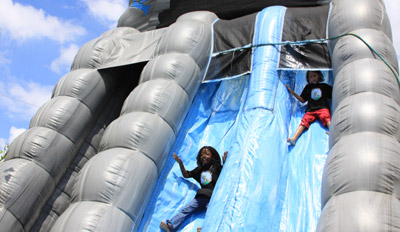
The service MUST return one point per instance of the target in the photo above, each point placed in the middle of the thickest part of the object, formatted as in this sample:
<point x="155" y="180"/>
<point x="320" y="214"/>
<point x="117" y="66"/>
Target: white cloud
<point x="393" y="9"/>
<point x="24" y="22"/>
<point x="14" y="132"/>
<point x="2" y="143"/>
<point x="107" y="10"/>
<point x="22" y="100"/>
<point x="63" y="62"/>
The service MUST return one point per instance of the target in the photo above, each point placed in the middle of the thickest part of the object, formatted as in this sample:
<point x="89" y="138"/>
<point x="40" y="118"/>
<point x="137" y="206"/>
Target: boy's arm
<point x="295" y="94"/>
<point x="182" y="167"/>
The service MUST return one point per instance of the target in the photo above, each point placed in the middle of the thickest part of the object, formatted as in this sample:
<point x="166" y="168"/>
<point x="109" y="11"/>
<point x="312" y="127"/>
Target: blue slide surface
<point x="265" y="185"/>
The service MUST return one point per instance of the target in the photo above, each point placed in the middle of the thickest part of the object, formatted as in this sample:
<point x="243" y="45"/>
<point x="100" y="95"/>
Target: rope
<point x="16" y="99"/>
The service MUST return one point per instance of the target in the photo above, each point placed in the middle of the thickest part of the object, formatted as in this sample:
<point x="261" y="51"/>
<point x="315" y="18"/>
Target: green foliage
<point x="3" y="152"/>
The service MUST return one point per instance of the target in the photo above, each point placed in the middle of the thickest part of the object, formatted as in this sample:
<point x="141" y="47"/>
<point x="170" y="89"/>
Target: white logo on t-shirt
<point x="205" y="177"/>
<point x="316" y="94"/>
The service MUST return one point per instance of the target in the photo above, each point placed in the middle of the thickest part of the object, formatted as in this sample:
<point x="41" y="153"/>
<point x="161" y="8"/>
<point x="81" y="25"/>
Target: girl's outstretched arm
<point x="295" y="94"/>
<point x="183" y="169"/>
<point x="224" y="157"/>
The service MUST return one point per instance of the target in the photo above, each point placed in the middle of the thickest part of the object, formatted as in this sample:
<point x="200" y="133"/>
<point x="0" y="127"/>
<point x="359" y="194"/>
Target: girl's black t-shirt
<point x="207" y="178"/>
<point x="317" y="96"/>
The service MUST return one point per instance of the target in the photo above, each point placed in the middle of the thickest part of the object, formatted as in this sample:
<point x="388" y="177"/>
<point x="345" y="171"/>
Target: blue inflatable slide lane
<point x="265" y="185"/>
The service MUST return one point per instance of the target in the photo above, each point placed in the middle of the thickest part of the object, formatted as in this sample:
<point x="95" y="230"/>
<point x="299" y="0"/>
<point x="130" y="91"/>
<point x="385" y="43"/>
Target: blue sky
<point x="39" y="40"/>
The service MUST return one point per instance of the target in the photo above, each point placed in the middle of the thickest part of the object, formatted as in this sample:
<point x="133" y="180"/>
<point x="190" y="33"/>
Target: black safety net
<point x="231" y="35"/>
<point x="227" y="9"/>
<point x="309" y="25"/>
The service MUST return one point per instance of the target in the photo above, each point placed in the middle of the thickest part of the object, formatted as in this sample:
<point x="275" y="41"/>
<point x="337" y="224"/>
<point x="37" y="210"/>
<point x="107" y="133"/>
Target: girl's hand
<point x="176" y="158"/>
<point x="181" y="165"/>
<point x="224" y="157"/>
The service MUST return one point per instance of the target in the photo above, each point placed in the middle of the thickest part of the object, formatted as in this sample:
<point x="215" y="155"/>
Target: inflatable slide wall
<point x="177" y="75"/>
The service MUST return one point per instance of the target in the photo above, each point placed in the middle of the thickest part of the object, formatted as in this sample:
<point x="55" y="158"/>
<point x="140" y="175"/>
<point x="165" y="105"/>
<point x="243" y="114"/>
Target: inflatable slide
<point x="175" y="76"/>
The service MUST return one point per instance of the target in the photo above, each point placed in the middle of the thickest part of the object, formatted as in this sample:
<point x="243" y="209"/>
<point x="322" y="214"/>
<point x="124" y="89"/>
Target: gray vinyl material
<point x="360" y="184"/>
<point x="174" y="66"/>
<point x="119" y="180"/>
<point x="365" y="75"/>
<point x="118" y="47"/>
<point x="162" y="97"/>
<point x="370" y="14"/>
<point x="350" y="48"/>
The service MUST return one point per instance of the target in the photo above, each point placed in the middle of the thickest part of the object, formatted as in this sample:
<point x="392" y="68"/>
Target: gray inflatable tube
<point x="361" y="180"/>
<point x="93" y="153"/>
<point x="78" y="169"/>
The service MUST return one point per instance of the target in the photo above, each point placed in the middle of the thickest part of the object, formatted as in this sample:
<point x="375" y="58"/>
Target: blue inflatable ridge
<point x="251" y="195"/>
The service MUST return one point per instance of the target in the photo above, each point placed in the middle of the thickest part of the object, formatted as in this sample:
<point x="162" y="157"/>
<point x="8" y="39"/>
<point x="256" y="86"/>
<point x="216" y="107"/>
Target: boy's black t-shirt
<point x="207" y="178"/>
<point x="317" y="96"/>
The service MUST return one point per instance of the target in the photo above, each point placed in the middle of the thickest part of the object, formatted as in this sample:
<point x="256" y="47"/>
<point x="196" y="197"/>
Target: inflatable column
<point x="114" y="187"/>
<point x="38" y="159"/>
<point x="360" y="185"/>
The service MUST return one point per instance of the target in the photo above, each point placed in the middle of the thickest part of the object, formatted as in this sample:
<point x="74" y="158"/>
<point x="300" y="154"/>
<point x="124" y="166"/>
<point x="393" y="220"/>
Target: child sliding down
<point x="316" y="95"/>
<point x="206" y="173"/>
